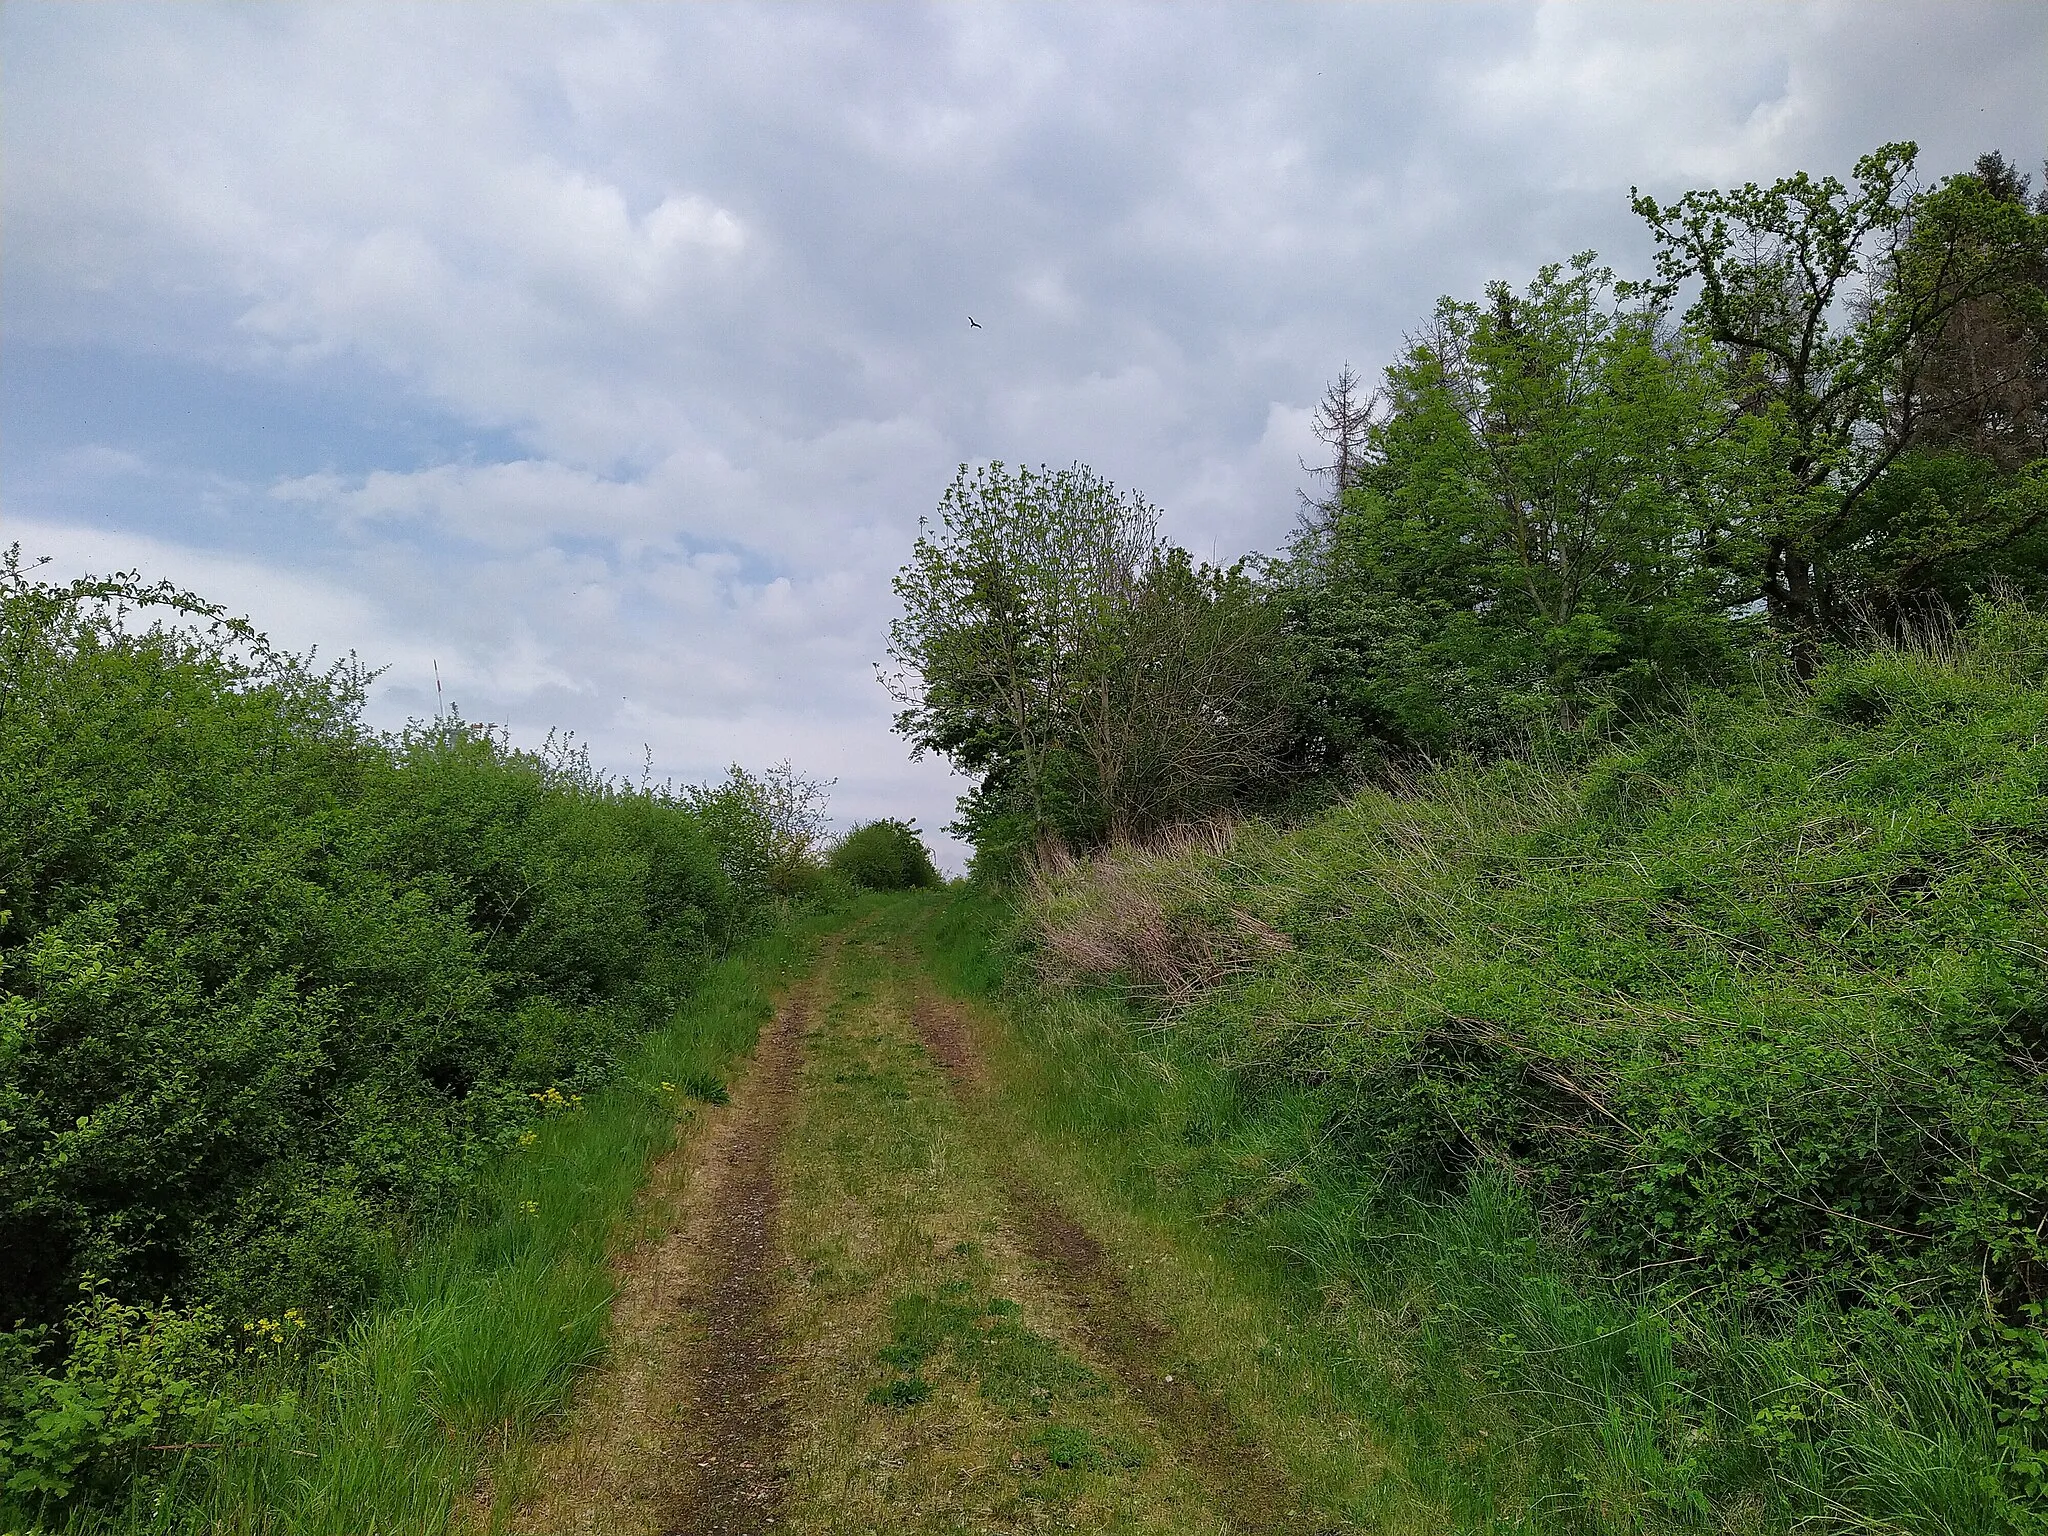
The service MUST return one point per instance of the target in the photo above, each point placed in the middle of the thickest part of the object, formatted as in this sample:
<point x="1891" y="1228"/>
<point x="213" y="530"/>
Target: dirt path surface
<point x="851" y="1315"/>
<point x="1247" y="1486"/>
<point x="940" y="1385"/>
<point x="682" y="1433"/>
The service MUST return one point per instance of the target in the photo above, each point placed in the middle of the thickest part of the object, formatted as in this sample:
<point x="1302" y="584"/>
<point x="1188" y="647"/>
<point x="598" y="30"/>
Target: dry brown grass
<point x="1155" y="916"/>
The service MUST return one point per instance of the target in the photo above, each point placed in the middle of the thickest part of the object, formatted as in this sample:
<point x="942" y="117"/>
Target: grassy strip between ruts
<point x="485" y="1324"/>
<point x="1452" y="1374"/>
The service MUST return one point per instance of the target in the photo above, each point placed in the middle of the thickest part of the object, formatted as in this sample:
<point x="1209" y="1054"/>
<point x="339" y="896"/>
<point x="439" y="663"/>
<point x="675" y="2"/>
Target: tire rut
<point x="683" y="1431"/>
<point x="1248" y="1487"/>
<point x="734" y="1439"/>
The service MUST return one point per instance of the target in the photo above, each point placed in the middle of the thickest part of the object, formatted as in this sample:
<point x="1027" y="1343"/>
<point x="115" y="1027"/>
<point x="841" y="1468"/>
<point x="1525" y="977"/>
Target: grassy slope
<point x="1388" y="1410"/>
<point x="1746" y="1018"/>
<point x="485" y="1324"/>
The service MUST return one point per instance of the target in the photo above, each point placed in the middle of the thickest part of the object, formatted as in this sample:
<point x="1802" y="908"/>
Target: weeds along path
<point x="683" y="1432"/>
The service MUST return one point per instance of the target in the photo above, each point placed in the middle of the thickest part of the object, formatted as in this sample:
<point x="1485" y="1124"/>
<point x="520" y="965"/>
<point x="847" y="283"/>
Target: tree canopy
<point x="1101" y="682"/>
<point x="1823" y="417"/>
<point x="1841" y="314"/>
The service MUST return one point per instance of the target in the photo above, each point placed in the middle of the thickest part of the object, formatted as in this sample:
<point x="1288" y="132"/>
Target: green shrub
<point x="765" y="830"/>
<point x="885" y="856"/>
<point x="273" y="986"/>
<point x="137" y="1383"/>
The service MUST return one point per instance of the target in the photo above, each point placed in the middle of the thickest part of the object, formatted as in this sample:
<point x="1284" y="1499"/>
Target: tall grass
<point x="1516" y="1387"/>
<point x="482" y="1325"/>
<point x="1691" y="1095"/>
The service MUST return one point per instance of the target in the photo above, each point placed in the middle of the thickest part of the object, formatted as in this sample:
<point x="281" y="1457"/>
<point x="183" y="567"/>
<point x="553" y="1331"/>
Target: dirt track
<point x="682" y="1433"/>
<point x="732" y="1478"/>
<point x="760" y="1377"/>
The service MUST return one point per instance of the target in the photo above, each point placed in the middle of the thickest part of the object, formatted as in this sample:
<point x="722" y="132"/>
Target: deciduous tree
<point x="1830" y="304"/>
<point x="1097" y="680"/>
<point x="1543" y="515"/>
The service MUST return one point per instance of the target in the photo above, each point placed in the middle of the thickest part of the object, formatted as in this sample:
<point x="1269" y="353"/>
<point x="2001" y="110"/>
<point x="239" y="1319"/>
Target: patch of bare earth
<point x="1251" y="1490"/>
<point x="683" y="1432"/>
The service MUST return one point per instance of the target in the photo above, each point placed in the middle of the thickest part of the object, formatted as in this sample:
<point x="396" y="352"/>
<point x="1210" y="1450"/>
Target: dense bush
<point x="884" y="856"/>
<point x="271" y="985"/>
<point x="134" y="1377"/>
<point x="1755" y="1007"/>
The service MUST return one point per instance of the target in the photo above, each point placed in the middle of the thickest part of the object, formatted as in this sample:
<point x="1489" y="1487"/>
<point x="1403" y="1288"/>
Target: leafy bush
<point x="885" y="856"/>
<point x="766" y="829"/>
<point x="1752" y="1008"/>
<point x="137" y="1382"/>
<point x="461" y="1361"/>
<point x="271" y="985"/>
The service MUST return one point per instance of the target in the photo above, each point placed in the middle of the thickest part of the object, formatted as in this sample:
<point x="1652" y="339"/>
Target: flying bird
<point x="974" y="322"/>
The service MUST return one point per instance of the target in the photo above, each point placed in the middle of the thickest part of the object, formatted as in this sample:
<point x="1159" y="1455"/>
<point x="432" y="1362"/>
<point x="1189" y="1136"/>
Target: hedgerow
<point x="275" y="987"/>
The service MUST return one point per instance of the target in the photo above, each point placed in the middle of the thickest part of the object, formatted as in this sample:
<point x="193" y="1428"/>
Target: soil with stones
<point x="1240" y="1475"/>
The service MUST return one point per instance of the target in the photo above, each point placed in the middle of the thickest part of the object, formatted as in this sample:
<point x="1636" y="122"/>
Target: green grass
<point x="1383" y="1420"/>
<point x="1013" y="1365"/>
<point x="480" y="1333"/>
<point x="1631" y="1146"/>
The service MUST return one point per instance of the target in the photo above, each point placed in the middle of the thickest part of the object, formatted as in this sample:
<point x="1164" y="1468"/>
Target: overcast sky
<point x="608" y="356"/>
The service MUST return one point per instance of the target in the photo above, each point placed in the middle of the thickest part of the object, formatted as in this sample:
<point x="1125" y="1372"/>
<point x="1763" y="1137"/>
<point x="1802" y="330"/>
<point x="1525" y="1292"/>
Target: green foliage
<point x="1939" y="527"/>
<point x="1749" y="1010"/>
<point x="468" y="1350"/>
<point x="766" y="829"/>
<point x="885" y="856"/>
<point x="133" y="1378"/>
<point x="1565" y="508"/>
<point x="275" y="990"/>
<point x="1538" y="524"/>
<point x="1562" y="506"/>
<point x="1835" y="310"/>
<point x="1100" y="682"/>
<point x="2019" y="1379"/>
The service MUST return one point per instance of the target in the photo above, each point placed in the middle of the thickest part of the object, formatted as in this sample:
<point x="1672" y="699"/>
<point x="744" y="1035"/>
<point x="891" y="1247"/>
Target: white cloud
<point x="1602" y="92"/>
<point x="297" y="612"/>
<point x="627" y="344"/>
